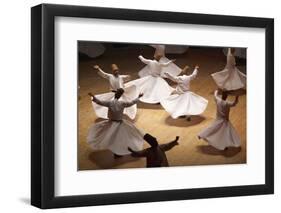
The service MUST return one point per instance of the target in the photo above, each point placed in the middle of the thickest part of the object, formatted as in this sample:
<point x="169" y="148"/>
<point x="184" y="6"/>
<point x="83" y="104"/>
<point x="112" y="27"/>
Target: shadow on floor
<point x="238" y="92"/>
<point x="125" y="117"/>
<point x="99" y="120"/>
<point x="183" y="122"/>
<point x="149" y="106"/>
<point x="104" y="159"/>
<point x="209" y="150"/>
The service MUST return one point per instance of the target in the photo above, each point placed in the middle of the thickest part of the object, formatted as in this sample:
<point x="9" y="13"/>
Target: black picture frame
<point x="43" y="105"/>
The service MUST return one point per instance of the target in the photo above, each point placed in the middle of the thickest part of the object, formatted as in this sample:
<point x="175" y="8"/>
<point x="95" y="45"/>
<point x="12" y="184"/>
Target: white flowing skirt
<point x="172" y="69"/>
<point x="220" y="134"/>
<point x="187" y="103"/>
<point x="115" y="136"/>
<point x="230" y="80"/>
<point x="130" y="93"/>
<point x="154" y="89"/>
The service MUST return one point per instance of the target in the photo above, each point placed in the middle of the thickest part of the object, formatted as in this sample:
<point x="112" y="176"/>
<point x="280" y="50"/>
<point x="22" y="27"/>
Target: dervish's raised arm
<point x="100" y="102"/>
<point x="170" y="145"/>
<point x="101" y="72"/>
<point x="144" y="60"/>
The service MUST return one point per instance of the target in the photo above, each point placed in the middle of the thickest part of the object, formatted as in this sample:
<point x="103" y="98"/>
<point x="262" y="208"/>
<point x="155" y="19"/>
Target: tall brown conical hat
<point x="114" y="67"/>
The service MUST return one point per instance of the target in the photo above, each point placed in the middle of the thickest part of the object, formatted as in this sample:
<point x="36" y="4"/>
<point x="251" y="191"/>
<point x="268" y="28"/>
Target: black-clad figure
<point x="155" y="155"/>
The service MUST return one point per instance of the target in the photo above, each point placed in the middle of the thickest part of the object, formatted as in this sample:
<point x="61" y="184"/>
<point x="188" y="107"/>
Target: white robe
<point x="221" y="134"/>
<point x="172" y="68"/>
<point x="115" y="83"/>
<point x="115" y="134"/>
<point x="153" y="86"/>
<point x="183" y="101"/>
<point x="230" y="78"/>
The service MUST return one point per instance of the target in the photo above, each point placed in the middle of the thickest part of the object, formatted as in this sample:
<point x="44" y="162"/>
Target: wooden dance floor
<point x="154" y="119"/>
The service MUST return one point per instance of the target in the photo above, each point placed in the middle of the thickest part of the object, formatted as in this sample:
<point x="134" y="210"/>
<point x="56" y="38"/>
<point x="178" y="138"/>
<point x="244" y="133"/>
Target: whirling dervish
<point x="153" y="86"/>
<point x="230" y="78"/>
<point x="116" y="81"/>
<point x="115" y="134"/>
<point x="221" y="134"/>
<point x="183" y="102"/>
<point x="172" y="68"/>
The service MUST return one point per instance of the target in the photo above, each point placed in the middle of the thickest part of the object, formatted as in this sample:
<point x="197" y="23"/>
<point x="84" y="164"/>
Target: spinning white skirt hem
<point x="115" y="136"/>
<point x="154" y="89"/>
<point x="220" y="134"/>
<point x="187" y="103"/>
<point x="230" y="80"/>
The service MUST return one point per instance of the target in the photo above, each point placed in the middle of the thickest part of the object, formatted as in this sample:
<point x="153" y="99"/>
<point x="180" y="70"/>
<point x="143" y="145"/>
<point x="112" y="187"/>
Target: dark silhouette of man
<point x="155" y="155"/>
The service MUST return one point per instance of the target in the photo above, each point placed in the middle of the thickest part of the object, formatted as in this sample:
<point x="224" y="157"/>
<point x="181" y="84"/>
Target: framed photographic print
<point x="139" y="106"/>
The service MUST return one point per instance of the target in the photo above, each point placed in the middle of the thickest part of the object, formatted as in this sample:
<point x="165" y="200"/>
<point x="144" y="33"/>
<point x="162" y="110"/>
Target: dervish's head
<point x="224" y="95"/>
<point x="151" y="140"/>
<point x="115" y="69"/>
<point x="118" y="93"/>
<point x="157" y="57"/>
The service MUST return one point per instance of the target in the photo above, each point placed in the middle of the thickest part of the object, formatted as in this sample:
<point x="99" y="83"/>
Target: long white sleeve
<point x="100" y="102"/>
<point x="216" y="97"/>
<point x="130" y="103"/>
<point x="194" y="74"/>
<point x="103" y="74"/>
<point x="144" y="60"/>
<point x="171" y="77"/>
<point x="125" y="77"/>
<point x="166" y="64"/>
